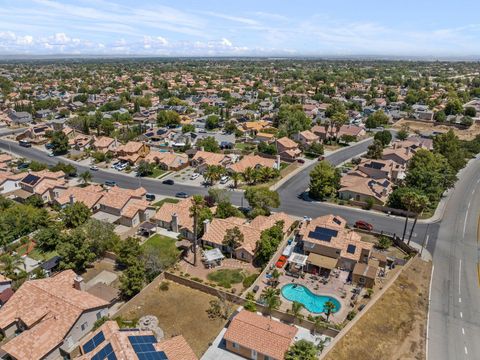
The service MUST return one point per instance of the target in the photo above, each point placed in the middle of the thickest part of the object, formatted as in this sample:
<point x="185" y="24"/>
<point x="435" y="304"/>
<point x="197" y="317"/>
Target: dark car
<point x="321" y="158"/>
<point x="49" y="146"/>
<point x="25" y="143"/>
<point x="301" y="161"/>
<point x="150" y="197"/>
<point x="168" y="182"/>
<point x="110" y="183"/>
<point x="181" y="195"/>
<point x="360" y="224"/>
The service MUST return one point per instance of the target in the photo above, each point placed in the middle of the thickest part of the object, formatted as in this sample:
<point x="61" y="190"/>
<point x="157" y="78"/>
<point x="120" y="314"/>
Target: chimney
<point x="202" y="149"/>
<point x="206" y="224"/>
<point x="174" y="222"/>
<point x="72" y="199"/>
<point x="408" y="150"/>
<point x="78" y="283"/>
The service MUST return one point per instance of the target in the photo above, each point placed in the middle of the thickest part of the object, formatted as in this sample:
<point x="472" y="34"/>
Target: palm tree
<point x="235" y="177"/>
<point x="275" y="276"/>
<point x="86" y="177"/>
<point x="198" y="203"/>
<point x="328" y="309"/>
<point x="248" y="175"/>
<point x="415" y="203"/>
<point x="213" y="173"/>
<point x="271" y="297"/>
<point x="233" y="238"/>
<point x="318" y="324"/>
<point x="296" y="310"/>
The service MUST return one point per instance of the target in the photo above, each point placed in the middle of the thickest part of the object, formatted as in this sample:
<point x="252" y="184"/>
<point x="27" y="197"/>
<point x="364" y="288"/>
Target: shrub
<point x="351" y="315"/>
<point x="384" y="242"/>
<point x="249" y="280"/>
<point x="369" y="204"/>
<point x="164" y="285"/>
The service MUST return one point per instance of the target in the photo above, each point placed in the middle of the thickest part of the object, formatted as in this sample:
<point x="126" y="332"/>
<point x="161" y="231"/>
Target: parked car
<point x="93" y="167"/>
<point x="301" y="161"/>
<point x="150" y="197"/>
<point x="181" y="195"/>
<point x="281" y="261"/>
<point x="110" y="183"/>
<point x="321" y="158"/>
<point x="194" y="176"/>
<point x="224" y="179"/>
<point x="168" y="182"/>
<point x="360" y="224"/>
<point x="49" y="146"/>
<point x="51" y="154"/>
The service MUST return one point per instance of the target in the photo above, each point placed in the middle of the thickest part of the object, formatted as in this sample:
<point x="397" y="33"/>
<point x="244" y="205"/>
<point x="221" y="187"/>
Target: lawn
<point x="164" y="247"/>
<point x="40" y="255"/>
<point x="156" y="173"/>
<point x="226" y="277"/>
<point x="381" y="335"/>
<point x="180" y="310"/>
<point x="166" y="200"/>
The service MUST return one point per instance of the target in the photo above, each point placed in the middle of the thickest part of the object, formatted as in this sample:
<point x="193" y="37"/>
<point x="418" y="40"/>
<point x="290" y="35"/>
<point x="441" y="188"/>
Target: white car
<point x="194" y="176"/>
<point x="94" y="167"/>
<point x="224" y="179"/>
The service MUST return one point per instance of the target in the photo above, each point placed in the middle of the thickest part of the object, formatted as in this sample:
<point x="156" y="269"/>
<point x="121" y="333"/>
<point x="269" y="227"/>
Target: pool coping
<point x="342" y="305"/>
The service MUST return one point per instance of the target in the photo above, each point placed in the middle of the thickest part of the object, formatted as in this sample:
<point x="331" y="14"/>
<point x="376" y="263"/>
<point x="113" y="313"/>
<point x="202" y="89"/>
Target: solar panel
<point x="30" y="179"/>
<point x="105" y="353"/>
<point x="93" y="342"/>
<point x="322" y="234"/>
<point x="351" y="249"/>
<point x="144" y="349"/>
<point x="337" y="221"/>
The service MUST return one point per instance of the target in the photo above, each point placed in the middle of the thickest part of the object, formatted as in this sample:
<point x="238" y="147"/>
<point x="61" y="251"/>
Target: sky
<point x="421" y="28"/>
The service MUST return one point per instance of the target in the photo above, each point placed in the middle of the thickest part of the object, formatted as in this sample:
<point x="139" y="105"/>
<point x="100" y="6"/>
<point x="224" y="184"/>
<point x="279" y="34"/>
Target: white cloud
<point x="226" y="42"/>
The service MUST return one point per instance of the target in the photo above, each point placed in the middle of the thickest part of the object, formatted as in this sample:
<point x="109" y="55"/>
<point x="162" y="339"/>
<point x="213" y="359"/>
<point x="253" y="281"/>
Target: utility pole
<point x="405" y="227"/>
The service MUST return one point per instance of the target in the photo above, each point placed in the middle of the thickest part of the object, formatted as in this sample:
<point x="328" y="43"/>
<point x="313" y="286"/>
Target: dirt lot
<point x="180" y="310"/>
<point x="398" y="333"/>
<point x="98" y="267"/>
<point x="467" y="134"/>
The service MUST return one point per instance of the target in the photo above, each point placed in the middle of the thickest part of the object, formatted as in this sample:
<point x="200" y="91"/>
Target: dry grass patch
<point x="463" y="134"/>
<point x="180" y="311"/>
<point x="394" y="328"/>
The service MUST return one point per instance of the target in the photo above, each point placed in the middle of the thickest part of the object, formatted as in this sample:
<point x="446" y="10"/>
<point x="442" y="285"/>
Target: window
<point x="254" y="354"/>
<point x="361" y="280"/>
<point x="84" y="326"/>
<point x="235" y="346"/>
<point x="99" y="315"/>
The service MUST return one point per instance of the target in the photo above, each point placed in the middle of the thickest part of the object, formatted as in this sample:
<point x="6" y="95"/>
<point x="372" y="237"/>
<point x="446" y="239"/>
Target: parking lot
<point x="184" y="177"/>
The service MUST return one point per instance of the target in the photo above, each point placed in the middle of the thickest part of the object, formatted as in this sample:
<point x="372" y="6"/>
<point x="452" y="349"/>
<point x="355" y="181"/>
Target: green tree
<point x="188" y="128"/>
<point x="378" y="118"/>
<point x="101" y="236"/>
<point x="75" y="251"/>
<point x="132" y="280"/>
<point x="213" y="173"/>
<point x="262" y="198"/>
<point x="236" y="177"/>
<point x="86" y="177"/>
<point x="107" y="127"/>
<point x="68" y="169"/>
<point x="198" y="206"/>
<point x="269" y="240"/>
<point x="384" y="136"/>
<point x="271" y="299"/>
<point x="129" y="251"/>
<point x="75" y="214"/>
<point x="59" y="143"/>
<point x="48" y="238"/>
<point x="168" y="118"/>
<point x="453" y="107"/>
<point x="328" y="309"/>
<point x="292" y="119"/>
<point x="402" y="134"/>
<point x="296" y="310"/>
<point x="375" y="150"/>
<point x="302" y="350"/>
<point x="225" y="209"/>
<point x="470" y="111"/>
<point x="324" y="181"/>
<point x="449" y="146"/>
<point x="144" y="168"/>
<point x="440" y="116"/>
<point x="233" y="239"/>
<point x="208" y="144"/>
<point x="212" y="122"/>
<point x="37" y="166"/>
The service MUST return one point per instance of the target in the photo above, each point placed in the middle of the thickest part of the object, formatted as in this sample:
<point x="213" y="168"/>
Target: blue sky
<point x="241" y="28"/>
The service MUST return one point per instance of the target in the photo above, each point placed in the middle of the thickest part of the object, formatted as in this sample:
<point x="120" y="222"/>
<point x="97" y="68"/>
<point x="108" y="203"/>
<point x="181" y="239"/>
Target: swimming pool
<point x="312" y="302"/>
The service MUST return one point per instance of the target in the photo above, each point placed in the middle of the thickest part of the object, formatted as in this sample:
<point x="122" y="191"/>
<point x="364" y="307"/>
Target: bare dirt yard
<point x="463" y="134"/>
<point x="180" y="311"/>
<point x="394" y="327"/>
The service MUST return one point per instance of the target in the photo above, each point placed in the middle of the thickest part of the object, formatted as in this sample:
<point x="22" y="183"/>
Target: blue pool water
<point x="312" y="302"/>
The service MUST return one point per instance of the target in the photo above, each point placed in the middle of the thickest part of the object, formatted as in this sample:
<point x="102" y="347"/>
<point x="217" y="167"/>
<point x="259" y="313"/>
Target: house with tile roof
<point x="329" y="244"/>
<point x="176" y="217"/>
<point x="215" y="231"/>
<point x="46" y="318"/>
<point x="168" y="160"/>
<point x="6" y="290"/>
<point x="104" y="144"/>
<point x="359" y="187"/>
<point x="46" y="184"/>
<point x="133" y="344"/>
<point x="254" y="336"/>
<point x="132" y="151"/>
<point x="202" y="159"/>
<point x="287" y="148"/>
<point x="306" y="138"/>
<point x="254" y="162"/>
<point x="88" y="196"/>
<point x="10" y="182"/>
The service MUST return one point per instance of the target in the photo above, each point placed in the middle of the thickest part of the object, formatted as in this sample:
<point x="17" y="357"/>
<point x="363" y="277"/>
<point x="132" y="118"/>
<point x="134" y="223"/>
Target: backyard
<point x="163" y="247"/>
<point x="378" y="334"/>
<point x="180" y="310"/>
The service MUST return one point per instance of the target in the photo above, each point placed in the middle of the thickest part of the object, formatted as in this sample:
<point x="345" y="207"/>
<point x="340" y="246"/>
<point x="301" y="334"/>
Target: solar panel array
<point x="105" y="354"/>
<point x="30" y="179"/>
<point x="323" y="234"/>
<point x="143" y="347"/>
<point x="93" y="342"/>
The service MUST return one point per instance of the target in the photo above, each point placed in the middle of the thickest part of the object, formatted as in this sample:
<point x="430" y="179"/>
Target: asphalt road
<point x="454" y="326"/>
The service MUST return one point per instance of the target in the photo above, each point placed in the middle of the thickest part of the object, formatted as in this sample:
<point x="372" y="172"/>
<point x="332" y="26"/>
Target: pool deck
<point x="333" y="288"/>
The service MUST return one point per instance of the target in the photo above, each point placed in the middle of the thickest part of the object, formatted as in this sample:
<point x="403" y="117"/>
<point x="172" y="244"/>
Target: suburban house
<point x="399" y="154"/>
<point x="215" y="231"/>
<point x="6" y="290"/>
<point x="111" y="342"/>
<point x="254" y="162"/>
<point x="88" y="196"/>
<point x="202" y="159"/>
<point x="364" y="275"/>
<point x="36" y="133"/>
<point x="19" y="117"/>
<point x="329" y="244"/>
<point x="46" y="318"/>
<point x="176" y="218"/>
<point x="257" y="337"/>
<point x="132" y="151"/>
<point x="381" y="169"/>
<point x="320" y="131"/>
<point x="287" y="148"/>
<point x="307" y="138"/>
<point x="10" y="182"/>
<point x="47" y="184"/>
<point x="363" y="188"/>
<point x="351" y="130"/>
<point x="104" y="144"/>
<point x="5" y="161"/>
<point x="168" y="160"/>
<point x="81" y="142"/>
<point x="265" y="137"/>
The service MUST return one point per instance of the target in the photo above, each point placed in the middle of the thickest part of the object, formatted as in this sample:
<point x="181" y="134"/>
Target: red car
<point x="321" y="158"/>
<point x="281" y="261"/>
<point x="360" y="224"/>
